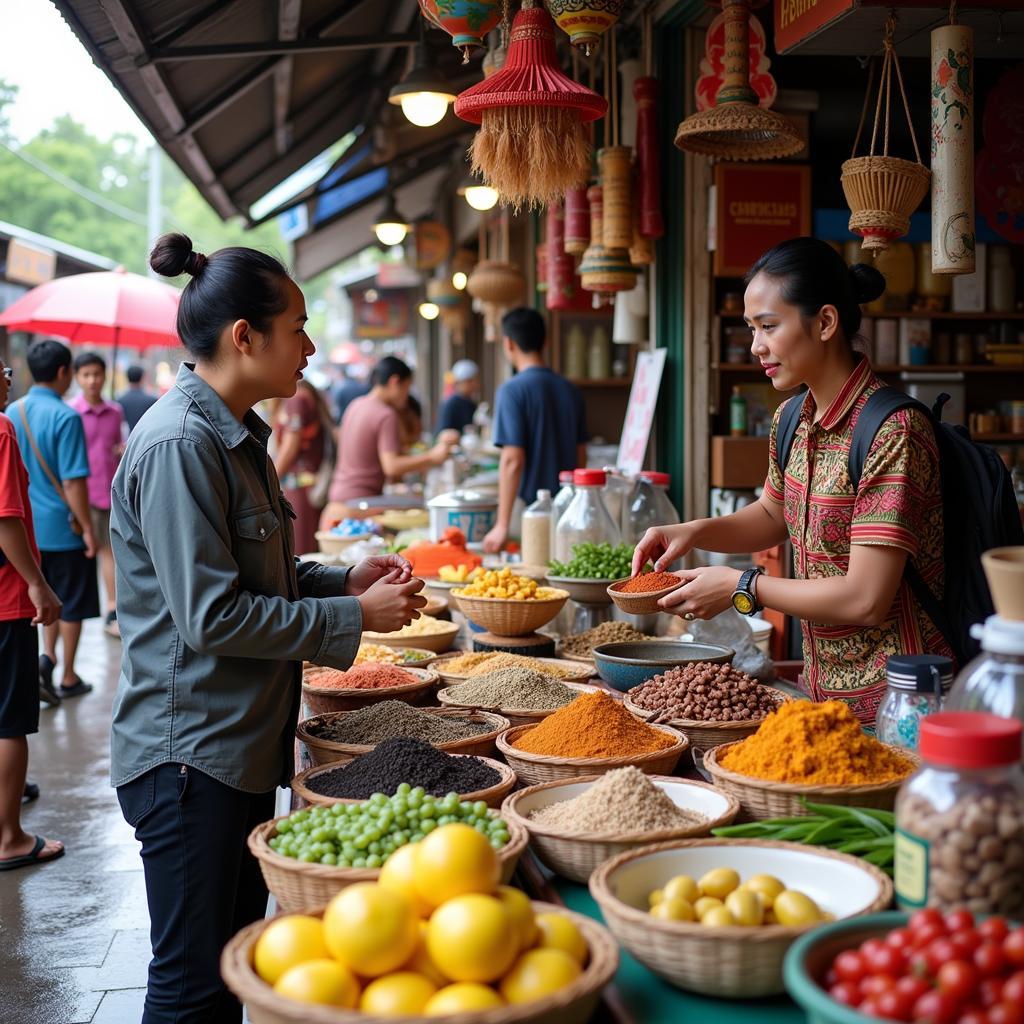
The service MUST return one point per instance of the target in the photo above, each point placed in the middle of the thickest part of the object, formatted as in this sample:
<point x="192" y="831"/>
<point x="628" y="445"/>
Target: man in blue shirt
<point x="459" y="407"/>
<point x="52" y="443"/>
<point x="539" y="422"/>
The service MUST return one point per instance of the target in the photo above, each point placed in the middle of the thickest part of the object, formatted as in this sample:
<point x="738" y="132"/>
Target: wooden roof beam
<point x="279" y="47"/>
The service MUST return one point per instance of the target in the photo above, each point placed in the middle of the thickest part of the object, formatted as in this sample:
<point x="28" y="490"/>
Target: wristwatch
<point x="743" y="599"/>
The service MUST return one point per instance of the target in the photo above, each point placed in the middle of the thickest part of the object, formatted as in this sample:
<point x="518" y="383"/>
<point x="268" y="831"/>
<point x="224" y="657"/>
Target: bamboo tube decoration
<point x="616" y="164"/>
<point x="953" y="149"/>
<point x="641" y="252"/>
<point x="602" y="270"/>
<point x="648" y="157"/>
<point x="577" y="221"/>
<point x="561" y="268"/>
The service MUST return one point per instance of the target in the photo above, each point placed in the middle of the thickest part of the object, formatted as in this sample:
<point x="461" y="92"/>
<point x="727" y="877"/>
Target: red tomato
<point x="884" y="960"/>
<point x="991" y="991"/>
<point x="894" y="1005"/>
<point x="994" y="928"/>
<point x="1006" y="1013"/>
<point x="973" y="1016"/>
<point x="900" y="938"/>
<point x="876" y="984"/>
<point x="959" y="920"/>
<point x="870" y="1007"/>
<point x="967" y="942"/>
<point x="929" y="916"/>
<point x="1013" y="989"/>
<point x="831" y="978"/>
<point x="871" y="946"/>
<point x="927" y="934"/>
<point x="913" y="987"/>
<point x="846" y="992"/>
<point x="989" y="959"/>
<point x="940" y="952"/>
<point x="849" y="966"/>
<point x="935" y="1007"/>
<point x="958" y="979"/>
<point x="1013" y="947"/>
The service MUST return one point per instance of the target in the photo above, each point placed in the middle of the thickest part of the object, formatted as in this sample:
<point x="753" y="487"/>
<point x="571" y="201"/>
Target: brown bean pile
<point x="703" y="692"/>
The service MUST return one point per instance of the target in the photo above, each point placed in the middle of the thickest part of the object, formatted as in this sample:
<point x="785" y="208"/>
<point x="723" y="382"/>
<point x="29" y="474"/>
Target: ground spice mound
<point x="647" y="582"/>
<point x="817" y="745"/>
<point x="501" y="660"/>
<point x="391" y="718"/>
<point x="400" y="760"/>
<point x="624" y="800"/>
<point x="462" y="663"/>
<point x="593" y="725"/>
<point x="360" y="677"/>
<point x="512" y="688"/>
<point x="580" y="645"/>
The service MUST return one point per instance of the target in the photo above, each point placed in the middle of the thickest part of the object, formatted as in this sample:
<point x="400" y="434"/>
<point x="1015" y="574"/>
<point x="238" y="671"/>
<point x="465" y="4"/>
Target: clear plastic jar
<point x="618" y="493"/>
<point x="917" y="683"/>
<point x="650" y="507"/>
<point x="960" y="817"/>
<point x="560" y="503"/>
<point x="994" y="681"/>
<point x="536" y="530"/>
<point x="586" y="520"/>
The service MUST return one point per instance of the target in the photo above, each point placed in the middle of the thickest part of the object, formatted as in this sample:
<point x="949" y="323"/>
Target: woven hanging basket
<point x="497" y="282"/>
<point x="616" y="179"/>
<point x="604" y="270"/>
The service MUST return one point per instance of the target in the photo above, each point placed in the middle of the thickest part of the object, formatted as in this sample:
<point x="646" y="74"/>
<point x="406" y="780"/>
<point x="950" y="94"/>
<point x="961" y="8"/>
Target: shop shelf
<point x="604" y="382"/>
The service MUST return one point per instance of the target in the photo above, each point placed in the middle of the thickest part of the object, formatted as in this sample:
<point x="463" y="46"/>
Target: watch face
<point x="743" y="603"/>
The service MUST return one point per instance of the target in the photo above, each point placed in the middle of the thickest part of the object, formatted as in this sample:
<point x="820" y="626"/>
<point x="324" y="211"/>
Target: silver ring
<point x="689" y="616"/>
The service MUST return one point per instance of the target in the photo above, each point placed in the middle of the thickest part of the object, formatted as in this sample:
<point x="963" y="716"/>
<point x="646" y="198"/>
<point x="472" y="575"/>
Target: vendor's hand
<point x="495" y="539"/>
<point x="333" y="513"/>
<point x="363" y="576"/>
<point x="440" y="453"/>
<point x="46" y="602"/>
<point x="662" y="545"/>
<point x="449" y="437"/>
<point x="707" y="592"/>
<point x="388" y="605"/>
<point x="89" y="540"/>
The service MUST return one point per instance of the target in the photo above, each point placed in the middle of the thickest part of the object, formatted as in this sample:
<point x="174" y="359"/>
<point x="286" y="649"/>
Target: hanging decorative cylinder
<point x="466" y="21"/>
<point x="497" y="282"/>
<point x="577" y="221"/>
<point x="585" y="21"/>
<point x="641" y="252"/>
<point x="616" y="167"/>
<point x="494" y="59"/>
<point x="441" y="291"/>
<point x="953" y="150"/>
<point x="560" y="266"/>
<point x="602" y="270"/>
<point x="648" y="159"/>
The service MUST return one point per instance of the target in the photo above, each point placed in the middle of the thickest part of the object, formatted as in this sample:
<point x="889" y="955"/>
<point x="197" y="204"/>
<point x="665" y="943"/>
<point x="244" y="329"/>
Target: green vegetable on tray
<point x="862" y="831"/>
<point x="596" y="562"/>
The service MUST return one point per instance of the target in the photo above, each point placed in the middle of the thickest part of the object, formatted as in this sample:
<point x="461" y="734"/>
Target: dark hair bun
<point x="173" y="255"/>
<point x="868" y="282"/>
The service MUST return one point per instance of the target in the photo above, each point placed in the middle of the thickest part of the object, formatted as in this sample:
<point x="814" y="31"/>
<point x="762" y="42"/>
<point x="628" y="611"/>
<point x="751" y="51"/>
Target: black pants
<point x="202" y="885"/>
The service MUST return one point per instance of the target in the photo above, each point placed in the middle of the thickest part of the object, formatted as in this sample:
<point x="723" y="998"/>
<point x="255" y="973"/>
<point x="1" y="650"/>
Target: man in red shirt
<point x="26" y="601"/>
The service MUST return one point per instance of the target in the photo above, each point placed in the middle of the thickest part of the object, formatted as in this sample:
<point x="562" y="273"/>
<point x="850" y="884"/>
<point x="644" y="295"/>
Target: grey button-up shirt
<point x="216" y="616"/>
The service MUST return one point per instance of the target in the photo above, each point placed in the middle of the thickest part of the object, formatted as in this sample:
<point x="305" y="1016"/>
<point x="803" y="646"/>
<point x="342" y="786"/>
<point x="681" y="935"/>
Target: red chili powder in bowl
<point x="360" y="677"/>
<point x="647" y="582"/>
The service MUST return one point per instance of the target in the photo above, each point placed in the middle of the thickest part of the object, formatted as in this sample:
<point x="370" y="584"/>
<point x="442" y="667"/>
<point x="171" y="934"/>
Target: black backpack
<point x="978" y="505"/>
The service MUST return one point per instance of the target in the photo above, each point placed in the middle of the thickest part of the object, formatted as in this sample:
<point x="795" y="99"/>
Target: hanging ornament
<point x="466" y="21"/>
<point x="602" y="270"/>
<point x="584" y="21"/>
<point x="1000" y="177"/>
<point x="560" y="266"/>
<point x="531" y="145"/>
<point x="616" y="164"/>
<point x="651" y="224"/>
<point x="712" y="65"/>
<point x="883" y="191"/>
<point x="494" y="59"/>
<point x="496" y="284"/>
<point x="736" y="128"/>
<point x="577" y="221"/>
<point x="953" y="148"/>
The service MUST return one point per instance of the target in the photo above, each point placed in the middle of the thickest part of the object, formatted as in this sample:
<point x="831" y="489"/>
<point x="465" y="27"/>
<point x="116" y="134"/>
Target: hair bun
<point x="173" y="256"/>
<point x="868" y="282"/>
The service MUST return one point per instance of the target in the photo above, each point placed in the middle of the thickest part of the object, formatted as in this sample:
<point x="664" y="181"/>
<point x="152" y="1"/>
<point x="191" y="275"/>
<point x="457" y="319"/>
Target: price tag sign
<point x="643" y="398"/>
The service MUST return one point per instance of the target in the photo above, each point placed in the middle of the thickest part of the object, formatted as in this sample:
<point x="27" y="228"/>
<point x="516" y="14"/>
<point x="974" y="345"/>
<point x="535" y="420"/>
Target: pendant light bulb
<point x="429" y="310"/>
<point x="423" y="93"/>
<point x="424" y="109"/>
<point x="460" y="279"/>
<point x="390" y="227"/>
<point x="481" y="197"/>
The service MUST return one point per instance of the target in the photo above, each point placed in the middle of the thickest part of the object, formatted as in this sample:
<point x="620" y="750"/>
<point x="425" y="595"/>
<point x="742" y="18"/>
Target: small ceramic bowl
<point x="624" y="666"/>
<point x="645" y="603"/>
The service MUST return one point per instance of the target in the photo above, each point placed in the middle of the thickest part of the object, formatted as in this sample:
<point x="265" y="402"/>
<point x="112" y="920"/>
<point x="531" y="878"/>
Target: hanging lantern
<point x="497" y="282"/>
<point x="736" y="128"/>
<point x="466" y="21"/>
<point x="560" y="266"/>
<point x="531" y="145"/>
<point x="953" y="150"/>
<point x="577" y="221"/>
<point x="616" y="171"/>
<point x="883" y="191"/>
<point x="602" y="270"/>
<point x="585" y="21"/>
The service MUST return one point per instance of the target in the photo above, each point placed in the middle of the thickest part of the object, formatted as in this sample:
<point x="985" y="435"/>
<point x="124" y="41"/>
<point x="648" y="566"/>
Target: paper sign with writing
<point x="643" y="398"/>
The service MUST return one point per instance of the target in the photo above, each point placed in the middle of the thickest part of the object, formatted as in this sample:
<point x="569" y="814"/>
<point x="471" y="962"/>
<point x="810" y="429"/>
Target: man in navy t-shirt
<point x="539" y="422"/>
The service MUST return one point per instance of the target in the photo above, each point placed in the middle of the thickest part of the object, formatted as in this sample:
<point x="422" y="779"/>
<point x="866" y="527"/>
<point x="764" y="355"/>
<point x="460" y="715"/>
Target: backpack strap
<point x="788" y="420"/>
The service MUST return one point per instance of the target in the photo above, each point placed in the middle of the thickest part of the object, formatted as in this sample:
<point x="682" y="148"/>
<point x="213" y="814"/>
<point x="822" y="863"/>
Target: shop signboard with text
<point x="643" y="398"/>
<point x="798" y="20"/>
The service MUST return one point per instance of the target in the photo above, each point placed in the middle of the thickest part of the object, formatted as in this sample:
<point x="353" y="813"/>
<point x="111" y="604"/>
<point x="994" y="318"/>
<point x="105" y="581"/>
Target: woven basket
<point x="435" y="606"/>
<point x="574" y="1004"/>
<point x="320" y="700"/>
<point x="327" y="751"/>
<point x="882" y="192"/>
<point x="492" y="796"/>
<point x="761" y="798"/>
<point x="575" y="855"/>
<point x="515" y="716"/>
<point x="580" y="672"/>
<point x="534" y="769"/>
<point x="703" y="736"/>
<point x="436" y="642"/>
<point x="508" y="617"/>
<point x="297" y="885"/>
<point x="734" y="962"/>
<point x="639" y="604"/>
<point x="333" y="543"/>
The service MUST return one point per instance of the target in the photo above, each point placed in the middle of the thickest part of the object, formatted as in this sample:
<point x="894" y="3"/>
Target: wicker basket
<point x="574" y="1004"/>
<point x="297" y="885"/>
<point x="508" y="617"/>
<point x="333" y="543"/>
<point x="580" y="672"/>
<point x="328" y="751"/>
<point x="734" y="962"/>
<point x="515" y="716"/>
<point x="882" y="192"/>
<point x="436" y="642"/>
<point x="639" y="604"/>
<point x="761" y="798"/>
<point x="320" y="700"/>
<point x="576" y="855"/>
<point x="492" y="796"/>
<point x="435" y="606"/>
<point x="534" y="769"/>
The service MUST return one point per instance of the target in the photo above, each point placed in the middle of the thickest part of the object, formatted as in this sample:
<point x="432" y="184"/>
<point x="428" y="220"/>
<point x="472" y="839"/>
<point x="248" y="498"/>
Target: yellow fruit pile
<point x="720" y="900"/>
<point x="457" y="573"/>
<point x="434" y="935"/>
<point x="379" y="654"/>
<point x="503" y="583"/>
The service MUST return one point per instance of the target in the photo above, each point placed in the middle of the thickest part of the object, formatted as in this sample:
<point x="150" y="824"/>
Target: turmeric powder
<point x="816" y="745"/>
<point x="593" y="725"/>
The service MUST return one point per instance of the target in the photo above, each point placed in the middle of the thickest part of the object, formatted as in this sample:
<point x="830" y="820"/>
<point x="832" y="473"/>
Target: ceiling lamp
<point x="429" y="310"/>
<point x="462" y="267"/>
<point x="424" y="93"/>
<point x="390" y="227"/>
<point x="481" y="197"/>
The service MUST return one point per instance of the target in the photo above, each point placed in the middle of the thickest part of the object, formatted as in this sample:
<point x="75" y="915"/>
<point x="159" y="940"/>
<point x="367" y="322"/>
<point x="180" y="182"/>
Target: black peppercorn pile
<point x="400" y="760"/>
<point x="703" y="692"/>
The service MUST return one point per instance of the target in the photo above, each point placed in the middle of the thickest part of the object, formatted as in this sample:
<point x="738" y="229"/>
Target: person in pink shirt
<point x="103" y="422"/>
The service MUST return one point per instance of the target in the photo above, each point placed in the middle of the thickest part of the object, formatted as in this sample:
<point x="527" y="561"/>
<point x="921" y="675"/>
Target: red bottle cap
<point x="565" y="477"/>
<point x="589" y="478"/>
<point x="969" y="739"/>
<point x="659" y="479"/>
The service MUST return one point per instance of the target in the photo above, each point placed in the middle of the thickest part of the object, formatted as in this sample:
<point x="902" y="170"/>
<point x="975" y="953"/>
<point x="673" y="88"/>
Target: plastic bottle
<point x="737" y="414"/>
<point x="561" y="503"/>
<point x="536" y="530"/>
<point x="586" y="520"/>
<point x="618" y="493"/>
<point x="994" y="681"/>
<point x="650" y="506"/>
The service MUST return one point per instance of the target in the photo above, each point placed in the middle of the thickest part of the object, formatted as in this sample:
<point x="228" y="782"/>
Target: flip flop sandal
<point x="47" y="692"/>
<point x="33" y="857"/>
<point x="31" y="793"/>
<point x="78" y="690"/>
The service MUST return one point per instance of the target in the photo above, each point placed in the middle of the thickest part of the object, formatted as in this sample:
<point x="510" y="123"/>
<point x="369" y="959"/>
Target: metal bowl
<point x="624" y="666"/>
<point x="583" y="591"/>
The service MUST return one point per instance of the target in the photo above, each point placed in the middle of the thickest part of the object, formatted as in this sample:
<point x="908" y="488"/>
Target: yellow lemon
<point x="767" y="885"/>
<point x="397" y="994"/>
<point x="370" y="929"/>
<point x="655" y="897"/>
<point x="718" y="917"/>
<point x="319" y="981"/>
<point x="682" y="887"/>
<point x="719" y="882"/>
<point x="398" y="875"/>
<point x="421" y="963"/>
<point x="452" y="861"/>
<point x="559" y="932"/>
<point x="673" y="909"/>
<point x="461" y="997"/>
<point x="518" y="905"/>
<point x="704" y="904"/>
<point x="538" y="973"/>
<point x="288" y="941"/>
<point x="472" y="938"/>
<point x="746" y="907"/>
<point x="794" y="908"/>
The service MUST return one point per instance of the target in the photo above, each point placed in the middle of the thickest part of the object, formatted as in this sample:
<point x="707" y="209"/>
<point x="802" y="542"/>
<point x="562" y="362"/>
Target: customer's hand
<point x="388" y="605"/>
<point x="47" y="603"/>
<point x="706" y="592"/>
<point x="333" y="513"/>
<point x="495" y="539"/>
<point x="440" y="453"/>
<point x="363" y="576"/>
<point x="449" y="437"/>
<point x="89" y="540"/>
<point x="662" y="545"/>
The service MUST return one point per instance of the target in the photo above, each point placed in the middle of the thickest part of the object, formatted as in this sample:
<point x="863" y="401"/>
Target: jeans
<point x="202" y="886"/>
